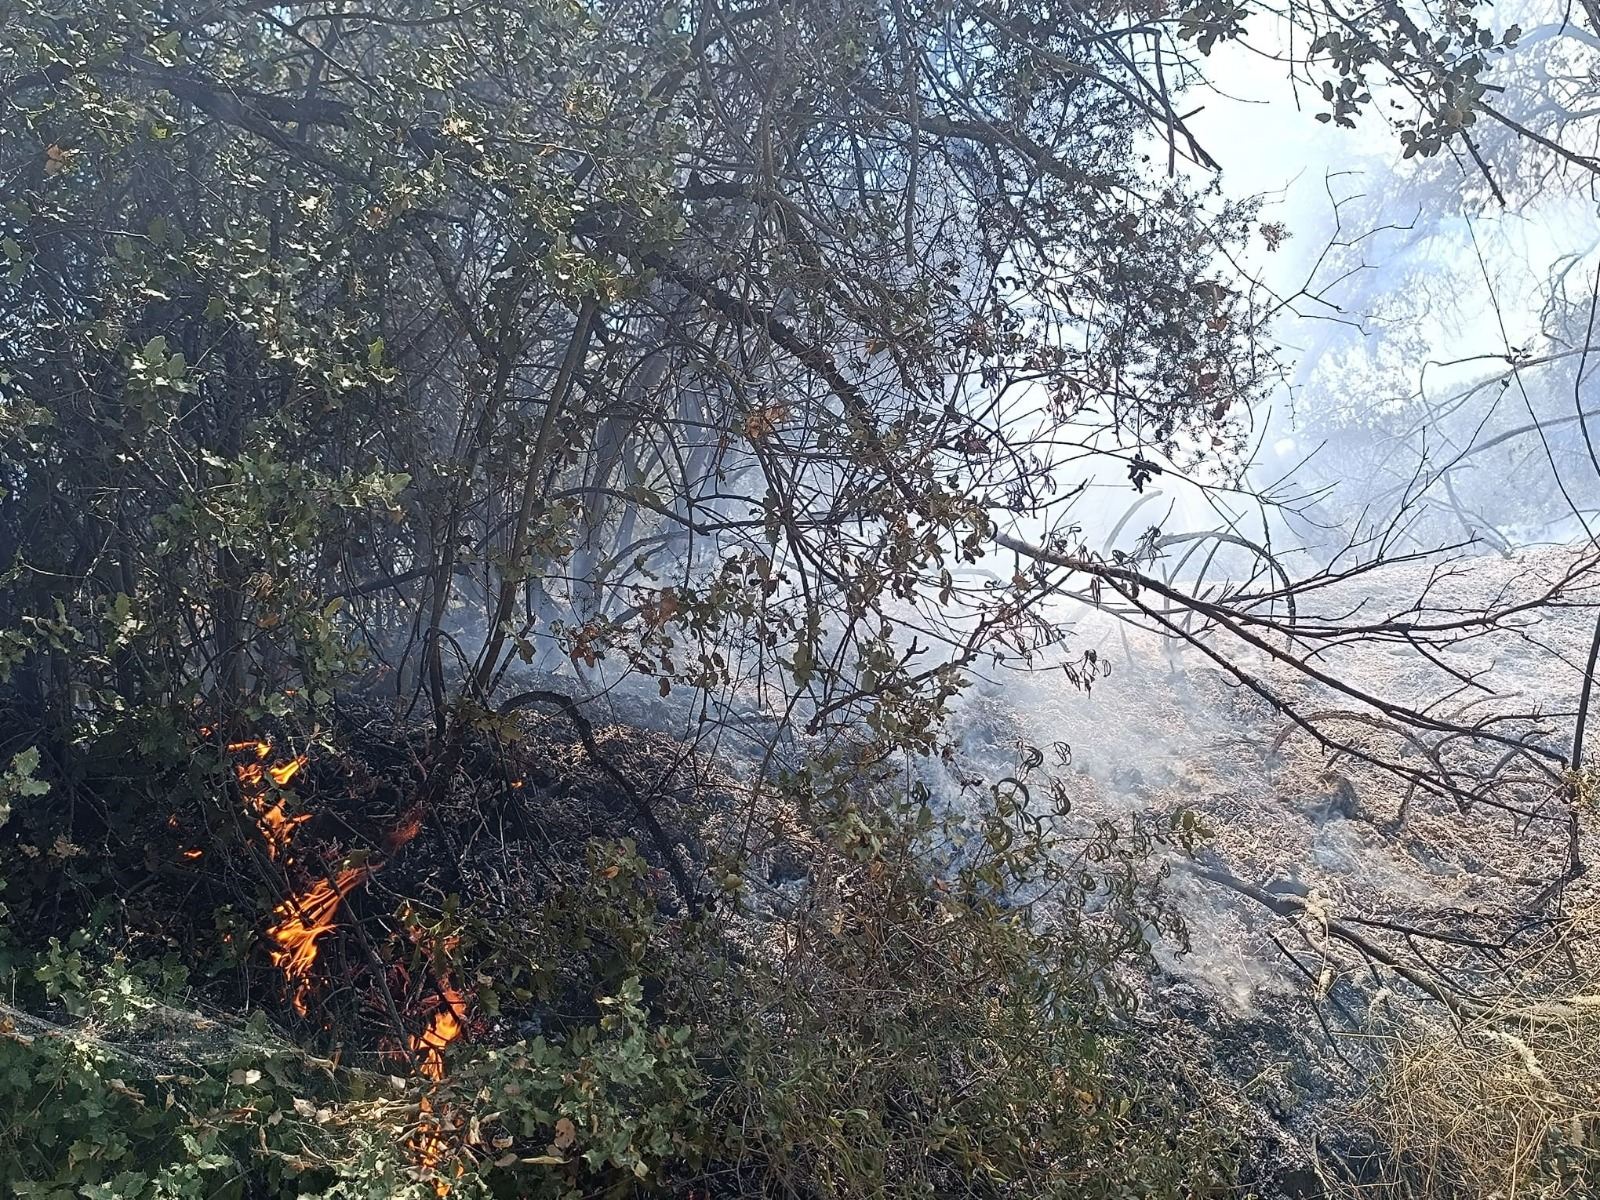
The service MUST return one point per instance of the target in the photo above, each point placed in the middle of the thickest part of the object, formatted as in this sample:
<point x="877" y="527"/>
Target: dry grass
<point x="1497" y="1110"/>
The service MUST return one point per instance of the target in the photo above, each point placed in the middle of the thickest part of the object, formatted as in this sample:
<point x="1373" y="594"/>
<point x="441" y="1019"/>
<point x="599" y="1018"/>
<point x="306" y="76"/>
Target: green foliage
<point x="623" y="1097"/>
<point x="278" y="334"/>
<point x="19" y="782"/>
<point x="1429" y="60"/>
<point x="125" y="1096"/>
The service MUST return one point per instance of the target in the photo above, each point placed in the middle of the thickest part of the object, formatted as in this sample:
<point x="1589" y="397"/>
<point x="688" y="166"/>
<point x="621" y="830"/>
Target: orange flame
<point x="429" y="1146"/>
<point x="448" y="1023"/>
<point x="284" y="772"/>
<point x="277" y="826"/>
<point x="444" y="1027"/>
<point x="305" y="919"/>
<point x="428" y="1143"/>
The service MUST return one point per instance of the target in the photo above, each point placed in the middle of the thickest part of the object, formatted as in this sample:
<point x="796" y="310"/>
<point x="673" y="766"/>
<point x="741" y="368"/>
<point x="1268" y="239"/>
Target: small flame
<point x="444" y="1027"/>
<point x="447" y="1023"/>
<point x="428" y="1143"/>
<point x="277" y="826"/>
<point x="283" y="773"/>
<point x="304" y="920"/>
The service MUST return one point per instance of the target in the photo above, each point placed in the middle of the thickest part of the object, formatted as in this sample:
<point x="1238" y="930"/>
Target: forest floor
<point x="1303" y="1025"/>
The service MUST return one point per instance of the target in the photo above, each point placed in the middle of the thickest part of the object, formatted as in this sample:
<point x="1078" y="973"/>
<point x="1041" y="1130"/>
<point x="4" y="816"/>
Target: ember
<point x="410" y="825"/>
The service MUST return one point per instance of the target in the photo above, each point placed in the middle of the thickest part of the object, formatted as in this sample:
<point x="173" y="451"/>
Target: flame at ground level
<point x="305" y="919"/>
<point x="428" y="1143"/>
<point x="444" y="1027"/>
<point x="431" y="1142"/>
<point x="277" y="827"/>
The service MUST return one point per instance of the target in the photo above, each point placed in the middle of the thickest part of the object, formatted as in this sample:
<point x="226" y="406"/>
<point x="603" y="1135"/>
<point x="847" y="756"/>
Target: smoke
<point x="1166" y="729"/>
<point x="1437" y="310"/>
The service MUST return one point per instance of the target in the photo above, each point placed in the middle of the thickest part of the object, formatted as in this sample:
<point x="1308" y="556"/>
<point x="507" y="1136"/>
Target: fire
<point x="301" y="921"/>
<point x="305" y="919"/>
<point x="277" y="826"/>
<point x="446" y="1024"/>
<point x="444" y="1027"/>
<point x="428" y="1144"/>
<point x="284" y="772"/>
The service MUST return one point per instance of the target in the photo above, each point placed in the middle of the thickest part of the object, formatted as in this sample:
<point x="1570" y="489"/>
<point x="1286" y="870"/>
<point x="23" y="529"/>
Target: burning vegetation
<point x="447" y="1023"/>
<point x="304" y="917"/>
<point x="303" y="920"/>
<point x="262" y="786"/>
<point x="316" y="910"/>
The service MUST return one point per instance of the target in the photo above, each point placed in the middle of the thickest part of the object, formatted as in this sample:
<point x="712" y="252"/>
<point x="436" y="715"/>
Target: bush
<point x="901" y="1022"/>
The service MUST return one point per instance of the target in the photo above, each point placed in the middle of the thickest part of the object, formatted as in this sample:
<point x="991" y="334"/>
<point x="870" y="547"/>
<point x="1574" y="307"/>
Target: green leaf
<point x="168" y="48"/>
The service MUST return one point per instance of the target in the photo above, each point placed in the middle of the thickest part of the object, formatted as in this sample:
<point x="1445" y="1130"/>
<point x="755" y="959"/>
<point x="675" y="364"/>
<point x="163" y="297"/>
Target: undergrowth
<point x="929" y="1011"/>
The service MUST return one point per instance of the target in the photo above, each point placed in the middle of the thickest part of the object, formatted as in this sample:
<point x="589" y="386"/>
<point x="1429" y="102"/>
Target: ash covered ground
<point x="1468" y="896"/>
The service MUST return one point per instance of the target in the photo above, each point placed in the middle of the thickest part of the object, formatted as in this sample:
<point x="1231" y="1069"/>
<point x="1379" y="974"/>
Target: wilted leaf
<point x="566" y="1131"/>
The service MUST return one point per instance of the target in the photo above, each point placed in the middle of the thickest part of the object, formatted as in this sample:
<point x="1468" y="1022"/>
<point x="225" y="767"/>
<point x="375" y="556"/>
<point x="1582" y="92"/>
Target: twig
<point x="585" y="730"/>
<point x="1576" y="760"/>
